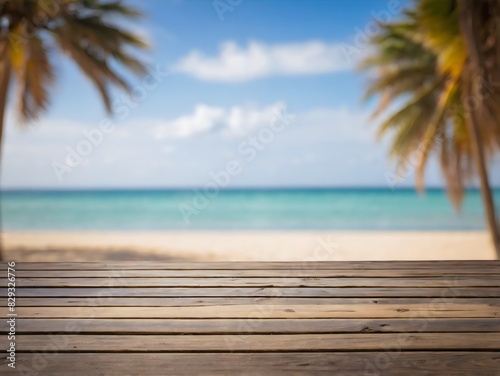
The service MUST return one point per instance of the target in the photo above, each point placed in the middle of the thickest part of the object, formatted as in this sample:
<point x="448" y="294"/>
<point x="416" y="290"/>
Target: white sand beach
<point x="247" y="246"/>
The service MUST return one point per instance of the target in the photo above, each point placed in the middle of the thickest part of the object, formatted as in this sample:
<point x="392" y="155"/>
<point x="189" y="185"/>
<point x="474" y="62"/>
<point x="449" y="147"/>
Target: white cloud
<point x="236" y="64"/>
<point x="204" y="119"/>
<point x="168" y="149"/>
<point x="180" y="151"/>
<point x="236" y="120"/>
<point x="347" y="124"/>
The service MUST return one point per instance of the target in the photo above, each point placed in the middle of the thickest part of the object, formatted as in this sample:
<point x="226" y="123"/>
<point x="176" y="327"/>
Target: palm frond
<point x="86" y="30"/>
<point x="35" y="75"/>
<point x="419" y="63"/>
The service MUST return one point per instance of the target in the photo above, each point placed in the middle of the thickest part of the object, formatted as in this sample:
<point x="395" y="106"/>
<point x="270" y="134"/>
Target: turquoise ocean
<point x="243" y="209"/>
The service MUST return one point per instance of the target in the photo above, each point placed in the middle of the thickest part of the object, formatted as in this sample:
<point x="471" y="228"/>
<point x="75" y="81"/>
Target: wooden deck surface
<point x="266" y="318"/>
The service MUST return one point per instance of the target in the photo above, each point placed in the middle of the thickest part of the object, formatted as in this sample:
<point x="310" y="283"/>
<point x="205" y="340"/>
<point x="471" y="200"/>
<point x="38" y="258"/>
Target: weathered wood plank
<point x="259" y="343"/>
<point x="339" y="364"/>
<point x="290" y="265"/>
<point x="283" y="318"/>
<point x="269" y="311"/>
<point x="255" y="273"/>
<point x="257" y="282"/>
<point x="235" y="300"/>
<point x="238" y="326"/>
<point x="424" y="292"/>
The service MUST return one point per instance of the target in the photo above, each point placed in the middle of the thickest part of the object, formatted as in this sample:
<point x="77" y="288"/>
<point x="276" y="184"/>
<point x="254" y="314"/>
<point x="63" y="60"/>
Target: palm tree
<point x="435" y="99"/>
<point x="479" y="27"/>
<point x="87" y="31"/>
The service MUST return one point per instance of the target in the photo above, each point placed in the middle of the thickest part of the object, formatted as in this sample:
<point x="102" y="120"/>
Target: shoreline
<point x="251" y="245"/>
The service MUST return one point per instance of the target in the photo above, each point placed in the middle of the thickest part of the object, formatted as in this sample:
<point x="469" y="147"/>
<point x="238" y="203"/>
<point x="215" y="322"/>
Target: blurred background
<point x="245" y="136"/>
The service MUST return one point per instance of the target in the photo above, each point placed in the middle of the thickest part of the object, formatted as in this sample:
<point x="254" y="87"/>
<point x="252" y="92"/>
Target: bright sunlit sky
<point x="230" y="69"/>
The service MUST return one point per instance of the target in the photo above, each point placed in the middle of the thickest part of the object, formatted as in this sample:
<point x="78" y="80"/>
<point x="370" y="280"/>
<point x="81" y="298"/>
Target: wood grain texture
<point x="256" y="282"/>
<point x="281" y="311"/>
<point x="258" y="343"/>
<point x="449" y="272"/>
<point x="234" y="300"/>
<point x="359" y="292"/>
<point x="259" y="326"/>
<point x="344" y="364"/>
<point x="274" y="318"/>
<point x="289" y="265"/>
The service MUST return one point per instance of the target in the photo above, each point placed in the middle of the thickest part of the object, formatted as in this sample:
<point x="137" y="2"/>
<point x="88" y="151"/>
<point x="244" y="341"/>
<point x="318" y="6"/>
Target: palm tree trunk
<point x="4" y="88"/>
<point x="471" y="24"/>
<point x="487" y="196"/>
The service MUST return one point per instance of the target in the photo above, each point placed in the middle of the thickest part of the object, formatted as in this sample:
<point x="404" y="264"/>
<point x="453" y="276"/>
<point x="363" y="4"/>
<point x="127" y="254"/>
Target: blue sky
<point x="226" y="71"/>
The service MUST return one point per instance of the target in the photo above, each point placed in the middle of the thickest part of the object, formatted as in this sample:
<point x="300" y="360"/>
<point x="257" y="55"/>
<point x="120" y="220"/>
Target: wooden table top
<point x="259" y="318"/>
